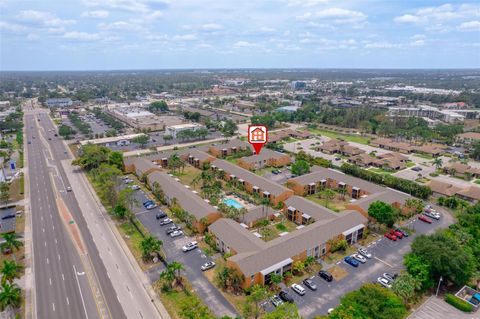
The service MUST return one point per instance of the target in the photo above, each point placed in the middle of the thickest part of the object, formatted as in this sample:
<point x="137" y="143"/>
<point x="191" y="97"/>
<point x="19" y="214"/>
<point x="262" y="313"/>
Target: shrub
<point x="458" y="303"/>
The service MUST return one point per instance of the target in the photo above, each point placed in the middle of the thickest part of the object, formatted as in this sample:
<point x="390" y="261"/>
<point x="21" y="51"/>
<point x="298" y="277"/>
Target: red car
<point x="425" y="219"/>
<point x="396" y="233"/>
<point x="390" y="236"/>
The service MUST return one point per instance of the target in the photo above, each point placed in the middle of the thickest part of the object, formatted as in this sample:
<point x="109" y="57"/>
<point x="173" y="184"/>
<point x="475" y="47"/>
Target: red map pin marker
<point x="257" y="136"/>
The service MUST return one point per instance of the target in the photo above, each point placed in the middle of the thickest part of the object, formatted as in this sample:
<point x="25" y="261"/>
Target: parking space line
<point x="380" y="260"/>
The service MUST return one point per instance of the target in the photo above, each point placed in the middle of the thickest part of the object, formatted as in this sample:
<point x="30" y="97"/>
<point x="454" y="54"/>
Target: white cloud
<point x="470" y="26"/>
<point x="267" y="29"/>
<point x="417" y="43"/>
<point x="13" y="27"/>
<point x="97" y="14"/>
<point x="43" y="18"/>
<point x="440" y="14"/>
<point x="81" y="36"/>
<point x="139" y="6"/>
<point x="382" y="45"/>
<point x="129" y="26"/>
<point x="336" y="15"/>
<point x="211" y="26"/>
<point x="244" y="44"/>
<point x="418" y="37"/>
<point x="305" y="3"/>
<point x="185" y="37"/>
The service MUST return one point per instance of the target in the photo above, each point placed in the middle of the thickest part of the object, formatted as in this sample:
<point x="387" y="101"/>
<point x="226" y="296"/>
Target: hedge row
<point x="458" y="303"/>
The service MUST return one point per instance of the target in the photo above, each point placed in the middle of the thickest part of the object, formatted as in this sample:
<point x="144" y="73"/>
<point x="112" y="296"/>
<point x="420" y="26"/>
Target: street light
<point x="438" y="287"/>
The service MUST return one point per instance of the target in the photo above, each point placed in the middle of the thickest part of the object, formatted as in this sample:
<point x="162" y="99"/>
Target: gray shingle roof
<point x="388" y="196"/>
<point x="265" y="155"/>
<point x="319" y="173"/>
<point x="308" y="207"/>
<point x="252" y="178"/>
<point x="188" y="200"/>
<point x="235" y="236"/>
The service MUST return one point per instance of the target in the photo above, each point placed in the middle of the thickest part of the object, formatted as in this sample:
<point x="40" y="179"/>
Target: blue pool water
<point x="232" y="203"/>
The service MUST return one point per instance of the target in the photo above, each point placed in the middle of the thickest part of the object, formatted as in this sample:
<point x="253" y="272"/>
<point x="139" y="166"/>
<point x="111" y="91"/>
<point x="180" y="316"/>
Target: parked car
<point x="69" y="189"/>
<point x="429" y="208"/>
<point x="176" y="233"/>
<point x="276" y="301"/>
<point x="396" y="233"/>
<point x="165" y="221"/>
<point x="128" y="181"/>
<point x="360" y="258"/>
<point x="425" y="219"/>
<point x="417" y="169"/>
<point x="160" y="215"/>
<point x="285" y="296"/>
<point x="298" y="289"/>
<point x="384" y="282"/>
<point x="171" y="229"/>
<point x="432" y="214"/>
<point x="190" y="246"/>
<point x="364" y="253"/>
<point x="405" y="234"/>
<point x="310" y="284"/>
<point x="151" y="206"/>
<point x="134" y="187"/>
<point x="275" y="172"/>
<point x="351" y="261"/>
<point x="208" y="265"/>
<point x="389" y="277"/>
<point x="148" y="202"/>
<point x="390" y="236"/>
<point x="325" y="275"/>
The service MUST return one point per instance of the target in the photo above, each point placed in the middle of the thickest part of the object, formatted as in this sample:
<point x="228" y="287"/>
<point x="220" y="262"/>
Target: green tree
<point x="406" y="287"/>
<point x="91" y="156"/>
<point x="229" y="128"/>
<point x="167" y="138"/>
<point x="419" y="269"/>
<point x="370" y="301"/>
<point x="119" y="211"/>
<point x="327" y="195"/>
<point x="150" y="245"/>
<point x="4" y="192"/>
<point x="284" y="311"/>
<point x="298" y="267"/>
<point x="257" y="295"/>
<point x="300" y="167"/>
<point x="66" y="131"/>
<point x="116" y="159"/>
<point x="10" y="270"/>
<point x="382" y="212"/>
<point x="438" y="162"/>
<point x="11" y="242"/>
<point x="10" y="296"/>
<point x="142" y="140"/>
<point x="158" y="106"/>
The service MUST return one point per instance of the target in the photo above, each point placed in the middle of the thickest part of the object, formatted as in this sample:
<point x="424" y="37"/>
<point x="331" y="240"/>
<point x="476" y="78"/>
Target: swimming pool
<point x="232" y="203"/>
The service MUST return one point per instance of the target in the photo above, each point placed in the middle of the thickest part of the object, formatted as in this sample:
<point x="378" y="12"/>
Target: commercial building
<point x="59" y="102"/>
<point x="173" y="130"/>
<point x="142" y="119"/>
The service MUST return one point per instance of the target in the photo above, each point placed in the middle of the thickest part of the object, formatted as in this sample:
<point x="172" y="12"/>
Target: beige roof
<point x="320" y="173"/>
<point x="472" y="192"/>
<point x="470" y="135"/>
<point x="463" y="168"/>
<point x="363" y="158"/>
<point x="443" y="188"/>
<point x="264" y="155"/>
<point x="235" y="236"/>
<point x="296" y="242"/>
<point x="188" y="200"/>
<point x="229" y="144"/>
<point x="261" y="182"/>
<point x="394" y="155"/>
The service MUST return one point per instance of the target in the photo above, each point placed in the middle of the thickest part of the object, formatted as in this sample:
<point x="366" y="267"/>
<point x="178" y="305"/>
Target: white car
<point x="190" y="246"/>
<point x="384" y="282"/>
<point x="176" y="233"/>
<point x="360" y="258"/>
<point x="364" y="253"/>
<point x="298" y="289"/>
<point x="135" y="187"/>
<point x="208" y="265"/>
<point x="432" y="214"/>
<point x="388" y="277"/>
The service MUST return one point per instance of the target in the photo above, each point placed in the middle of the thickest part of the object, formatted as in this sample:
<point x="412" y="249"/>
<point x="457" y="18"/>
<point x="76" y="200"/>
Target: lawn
<point x="380" y="171"/>
<point x="424" y="156"/>
<point x="336" y="204"/>
<point x="189" y="173"/>
<point x="351" y="138"/>
<point x="133" y="238"/>
<point x="410" y="164"/>
<point x="16" y="189"/>
<point x="277" y="229"/>
<point x="339" y="255"/>
<point x="477" y="181"/>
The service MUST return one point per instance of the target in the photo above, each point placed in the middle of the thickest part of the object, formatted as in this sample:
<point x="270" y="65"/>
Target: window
<point x="252" y="279"/>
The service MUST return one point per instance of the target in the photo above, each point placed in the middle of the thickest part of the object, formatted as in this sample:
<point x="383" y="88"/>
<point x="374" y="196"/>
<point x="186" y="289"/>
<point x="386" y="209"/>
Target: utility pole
<point x="438" y="287"/>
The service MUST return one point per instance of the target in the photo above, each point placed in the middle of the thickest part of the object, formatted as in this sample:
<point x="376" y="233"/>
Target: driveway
<point x="192" y="261"/>
<point x="387" y="257"/>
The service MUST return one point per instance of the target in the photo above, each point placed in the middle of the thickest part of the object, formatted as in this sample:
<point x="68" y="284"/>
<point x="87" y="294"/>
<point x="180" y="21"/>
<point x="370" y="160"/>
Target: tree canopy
<point x="382" y="212"/>
<point x="300" y="167"/>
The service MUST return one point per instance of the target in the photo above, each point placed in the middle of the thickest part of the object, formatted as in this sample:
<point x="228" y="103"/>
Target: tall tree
<point x="150" y="245"/>
<point x="327" y="195"/>
<point x="10" y="296"/>
<point x="10" y="270"/>
<point x="406" y="286"/>
<point x="382" y="212"/>
<point x="11" y="242"/>
<point x="257" y="295"/>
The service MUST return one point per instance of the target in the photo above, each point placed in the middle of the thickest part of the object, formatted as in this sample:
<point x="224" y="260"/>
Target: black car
<point x="310" y="284"/>
<point x="285" y="296"/>
<point x="325" y="275"/>
<point x="160" y="215"/>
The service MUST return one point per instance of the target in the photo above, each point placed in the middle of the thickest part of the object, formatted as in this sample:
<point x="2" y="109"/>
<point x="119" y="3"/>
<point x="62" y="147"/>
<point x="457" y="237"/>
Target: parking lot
<point x="387" y="257"/>
<point x="192" y="260"/>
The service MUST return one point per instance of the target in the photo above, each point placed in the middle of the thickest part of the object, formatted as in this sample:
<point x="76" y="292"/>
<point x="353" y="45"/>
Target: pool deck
<point x="243" y="203"/>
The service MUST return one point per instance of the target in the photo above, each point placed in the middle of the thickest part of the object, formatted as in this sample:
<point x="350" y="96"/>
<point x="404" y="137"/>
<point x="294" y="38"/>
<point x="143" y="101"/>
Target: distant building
<point x="59" y="102"/>
<point x="7" y="219"/>
<point x="298" y="85"/>
<point x="175" y="129"/>
<point x="288" y="109"/>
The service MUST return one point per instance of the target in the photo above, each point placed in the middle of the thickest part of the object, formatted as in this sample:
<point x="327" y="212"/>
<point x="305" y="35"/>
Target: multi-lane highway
<point x="62" y="289"/>
<point x="113" y="285"/>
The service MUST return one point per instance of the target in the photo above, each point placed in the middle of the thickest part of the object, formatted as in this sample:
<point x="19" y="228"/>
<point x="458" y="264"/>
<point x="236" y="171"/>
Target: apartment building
<point x="266" y="158"/>
<point x="228" y="148"/>
<point x="469" y="193"/>
<point x="253" y="183"/>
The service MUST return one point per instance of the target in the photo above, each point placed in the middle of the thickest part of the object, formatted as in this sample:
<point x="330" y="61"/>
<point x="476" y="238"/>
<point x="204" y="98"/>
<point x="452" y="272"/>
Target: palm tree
<point x="150" y="245"/>
<point x="168" y="275"/>
<point x="327" y="195"/>
<point x="176" y="268"/>
<point x="11" y="242"/>
<point x="196" y="181"/>
<point x="438" y="162"/>
<point x="10" y="270"/>
<point x="10" y="296"/>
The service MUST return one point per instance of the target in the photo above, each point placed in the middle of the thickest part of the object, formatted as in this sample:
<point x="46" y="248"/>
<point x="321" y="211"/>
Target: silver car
<point x="364" y="253"/>
<point x="208" y="265"/>
<point x="176" y="233"/>
<point x="384" y="282"/>
<point x="360" y="258"/>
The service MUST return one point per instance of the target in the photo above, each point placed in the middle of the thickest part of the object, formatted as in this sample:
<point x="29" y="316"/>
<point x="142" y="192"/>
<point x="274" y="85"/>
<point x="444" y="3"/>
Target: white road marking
<point x="53" y="306"/>
<point x="68" y="302"/>
<point x="81" y="295"/>
<point x="380" y="260"/>
<point x="58" y="256"/>
<point x="45" y="244"/>
<point x="43" y="229"/>
<point x="50" y="279"/>
<point x="63" y="277"/>
<point x="48" y="262"/>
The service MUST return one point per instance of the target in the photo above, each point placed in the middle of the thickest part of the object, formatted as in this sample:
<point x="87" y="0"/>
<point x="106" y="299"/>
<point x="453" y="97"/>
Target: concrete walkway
<point x="437" y="308"/>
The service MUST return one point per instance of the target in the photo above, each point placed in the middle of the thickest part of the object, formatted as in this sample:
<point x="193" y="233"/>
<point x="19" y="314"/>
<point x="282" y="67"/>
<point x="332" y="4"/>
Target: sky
<point x="173" y="34"/>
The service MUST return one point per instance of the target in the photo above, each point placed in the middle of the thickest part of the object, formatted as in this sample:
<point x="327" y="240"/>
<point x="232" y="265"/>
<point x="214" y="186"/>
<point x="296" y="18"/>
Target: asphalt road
<point x="191" y="260"/>
<point x="387" y="257"/>
<point x="61" y="288"/>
